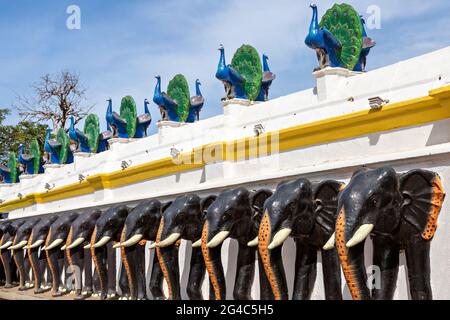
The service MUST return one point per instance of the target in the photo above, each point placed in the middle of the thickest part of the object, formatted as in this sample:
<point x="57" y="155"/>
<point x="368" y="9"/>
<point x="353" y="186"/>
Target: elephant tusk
<point x="36" y="244"/>
<point x="218" y="239"/>
<point x="360" y="235"/>
<point x="253" y="243"/>
<point x="54" y="244"/>
<point x="130" y="242"/>
<point x="6" y="245"/>
<point x="76" y="243"/>
<point x="20" y="245"/>
<point x="153" y="245"/>
<point x="88" y="246"/>
<point x="330" y="243"/>
<point x="169" y="240"/>
<point x="197" y="244"/>
<point x="64" y="247"/>
<point x="102" y="242"/>
<point x="279" y="238"/>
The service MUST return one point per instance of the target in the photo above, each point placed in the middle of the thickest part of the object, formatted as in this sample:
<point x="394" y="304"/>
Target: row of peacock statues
<point x="339" y="40"/>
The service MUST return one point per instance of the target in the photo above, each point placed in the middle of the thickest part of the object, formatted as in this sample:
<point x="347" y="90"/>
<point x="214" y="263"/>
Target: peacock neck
<point x="158" y="87"/>
<point x="146" y="107"/>
<point x="197" y="90"/>
<point x="265" y="64"/>
<point x="222" y="62"/>
<point x="314" y="26"/>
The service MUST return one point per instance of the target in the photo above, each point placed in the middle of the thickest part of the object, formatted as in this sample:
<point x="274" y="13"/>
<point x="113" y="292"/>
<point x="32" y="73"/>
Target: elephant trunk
<point x="99" y="259"/>
<point x="74" y="259"/>
<point x="33" y="254"/>
<point x="20" y="263"/>
<point x="127" y="253"/>
<point x="6" y="261"/>
<point x="352" y="261"/>
<point x="53" y="264"/>
<point x="213" y="263"/>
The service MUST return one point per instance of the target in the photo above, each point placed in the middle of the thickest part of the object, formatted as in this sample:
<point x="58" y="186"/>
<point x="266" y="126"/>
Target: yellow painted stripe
<point x="434" y="107"/>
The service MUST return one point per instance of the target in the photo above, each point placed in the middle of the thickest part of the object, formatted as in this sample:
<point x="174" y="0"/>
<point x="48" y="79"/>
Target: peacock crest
<point x="63" y="139"/>
<point x="247" y="63"/>
<point x="344" y="23"/>
<point x="128" y="113"/>
<point x="178" y="91"/>
<point x="92" y="131"/>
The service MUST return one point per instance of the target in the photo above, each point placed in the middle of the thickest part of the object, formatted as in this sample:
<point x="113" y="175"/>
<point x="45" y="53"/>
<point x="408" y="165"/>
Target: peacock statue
<point x="33" y="161"/>
<point x="232" y="80"/>
<point x="368" y="44"/>
<point x="79" y="137"/>
<point x="167" y="106"/>
<point x="267" y="79"/>
<point x="123" y="125"/>
<point x="105" y="136"/>
<point x="59" y="148"/>
<point x="197" y="103"/>
<point x="89" y="139"/>
<point x="143" y="122"/>
<point x="339" y="40"/>
<point x="10" y="173"/>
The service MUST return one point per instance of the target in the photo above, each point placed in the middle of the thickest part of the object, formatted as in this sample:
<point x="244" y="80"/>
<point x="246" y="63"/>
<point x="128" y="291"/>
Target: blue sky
<point x="123" y="44"/>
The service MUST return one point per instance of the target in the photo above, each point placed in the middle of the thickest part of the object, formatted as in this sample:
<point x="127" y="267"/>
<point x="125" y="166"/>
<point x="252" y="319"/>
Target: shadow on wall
<point x="439" y="133"/>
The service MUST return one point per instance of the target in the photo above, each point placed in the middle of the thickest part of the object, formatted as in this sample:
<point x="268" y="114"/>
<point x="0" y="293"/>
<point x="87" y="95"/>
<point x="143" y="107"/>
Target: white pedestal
<point x="237" y="104"/>
<point x="82" y="155"/>
<point x="27" y="176"/>
<point x="52" y="167"/>
<point x="330" y="80"/>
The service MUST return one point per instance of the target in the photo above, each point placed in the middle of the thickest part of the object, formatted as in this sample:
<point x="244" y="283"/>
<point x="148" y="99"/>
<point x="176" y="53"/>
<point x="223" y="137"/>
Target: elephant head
<point x="20" y="241"/>
<point x="107" y="228"/>
<point x="9" y="232"/>
<point x="235" y="214"/>
<point x="140" y="226"/>
<point x="56" y="238"/>
<point x="401" y="212"/>
<point x="36" y="240"/>
<point x="183" y="219"/>
<point x="305" y="211"/>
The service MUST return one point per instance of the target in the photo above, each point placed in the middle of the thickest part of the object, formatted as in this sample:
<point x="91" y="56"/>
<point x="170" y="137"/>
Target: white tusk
<point x="152" y="246"/>
<point x="169" y="240"/>
<point x="253" y="243"/>
<point x="360" y="235"/>
<point x="54" y="244"/>
<point x="76" y="243"/>
<point x="197" y="244"/>
<point x="330" y="243"/>
<point x="20" y="245"/>
<point x="36" y="244"/>
<point x="6" y="245"/>
<point x="63" y="247"/>
<point x="88" y="246"/>
<point x="279" y="238"/>
<point x="130" y="242"/>
<point x="102" y="242"/>
<point x="218" y="239"/>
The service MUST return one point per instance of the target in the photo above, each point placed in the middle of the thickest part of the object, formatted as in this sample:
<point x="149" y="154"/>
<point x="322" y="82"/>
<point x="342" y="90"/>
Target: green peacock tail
<point x="246" y="61"/>
<point x="12" y="165"/>
<point x="129" y="113"/>
<point x="92" y="131"/>
<point x="35" y="151"/>
<point x="63" y="138"/>
<point x="344" y="23"/>
<point x="178" y="90"/>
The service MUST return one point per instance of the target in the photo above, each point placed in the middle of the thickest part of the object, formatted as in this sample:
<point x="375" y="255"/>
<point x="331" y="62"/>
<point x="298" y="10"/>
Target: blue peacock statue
<point x="59" y="148"/>
<point x="79" y="136"/>
<point x="123" y="125"/>
<point x="10" y="172"/>
<point x="143" y="122"/>
<point x="267" y="79"/>
<point x="232" y="80"/>
<point x="33" y="161"/>
<point x="368" y="44"/>
<point x="167" y="106"/>
<point x="196" y="104"/>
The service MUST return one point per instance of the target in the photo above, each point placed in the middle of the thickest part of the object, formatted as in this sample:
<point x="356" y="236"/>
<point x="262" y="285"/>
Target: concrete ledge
<point x="15" y="294"/>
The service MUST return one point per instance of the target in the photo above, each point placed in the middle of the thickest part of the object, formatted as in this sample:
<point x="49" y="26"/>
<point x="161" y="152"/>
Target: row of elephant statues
<point x="398" y="210"/>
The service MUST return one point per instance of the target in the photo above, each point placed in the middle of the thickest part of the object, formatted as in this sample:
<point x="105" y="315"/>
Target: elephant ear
<point x="326" y="199"/>
<point x="165" y="206"/>
<point x="257" y="200"/>
<point x="205" y="203"/>
<point x="423" y="196"/>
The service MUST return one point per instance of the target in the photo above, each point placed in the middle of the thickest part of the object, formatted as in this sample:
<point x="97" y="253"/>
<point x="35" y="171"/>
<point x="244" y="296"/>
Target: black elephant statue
<point x="140" y="226"/>
<point x="39" y="264"/>
<point x="79" y="258"/>
<point x="400" y="212"/>
<point x="8" y="231"/>
<point x="20" y="256"/>
<point x="235" y="214"/>
<point x="57" y="262"/>
<point x="305" y="211"/>
<point x="183" y="219"/>
<point x="108" y="229"/>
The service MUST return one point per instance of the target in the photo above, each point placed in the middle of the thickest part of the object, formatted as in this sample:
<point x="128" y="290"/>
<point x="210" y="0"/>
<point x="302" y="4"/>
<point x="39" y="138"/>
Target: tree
<point x="12" y="136"/>
<point x="55" y="99"/>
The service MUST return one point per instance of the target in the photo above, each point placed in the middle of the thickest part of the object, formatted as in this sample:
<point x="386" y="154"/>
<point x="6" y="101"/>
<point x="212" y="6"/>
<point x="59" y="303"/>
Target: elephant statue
<point x="141" y="225"/>
<point x="400" y="212"/>
<point x="8" y="231"/>
<point x="108" y="228"/>
<point x="307" y="212"/>
<point x="37" y="257"/>
<point x="56" y="259"/>
<point x="20" y="255"/>
<point x="78" y="257"/>
<point x="183" y="219"/>
<point x="235" y="214"/>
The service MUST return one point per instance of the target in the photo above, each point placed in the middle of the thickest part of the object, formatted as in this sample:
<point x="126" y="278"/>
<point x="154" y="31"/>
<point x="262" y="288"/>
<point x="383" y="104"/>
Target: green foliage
<point x="12" y="165"/>
<point x="36" y="152"/>
<point x="63" y="138"/>
<point x="246" y="61"/>
<point x="178" y="90"/>
<point x="129" y="113"/>
<point x="92" y="131"/>
<point x="344" y="23"/>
